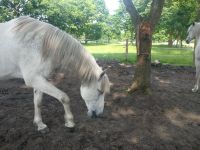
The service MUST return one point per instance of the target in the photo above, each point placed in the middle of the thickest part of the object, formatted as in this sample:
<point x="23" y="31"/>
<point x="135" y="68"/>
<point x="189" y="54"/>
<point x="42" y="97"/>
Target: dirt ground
<point x="169" y="119"/>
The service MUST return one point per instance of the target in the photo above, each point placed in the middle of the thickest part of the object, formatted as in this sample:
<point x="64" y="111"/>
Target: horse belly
<point x="8" y="70"/>
<point x="8" y="62"/>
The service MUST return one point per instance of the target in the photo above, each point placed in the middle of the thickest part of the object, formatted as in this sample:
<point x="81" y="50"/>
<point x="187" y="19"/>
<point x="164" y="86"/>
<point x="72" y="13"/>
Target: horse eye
<point x="100" y="92"/>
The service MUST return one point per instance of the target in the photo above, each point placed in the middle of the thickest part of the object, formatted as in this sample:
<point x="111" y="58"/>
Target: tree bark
<point x="142" y="76"/>
<point x="144" y="29"/>
<point x="135" y="17"/>
<point x="170" y="41"/>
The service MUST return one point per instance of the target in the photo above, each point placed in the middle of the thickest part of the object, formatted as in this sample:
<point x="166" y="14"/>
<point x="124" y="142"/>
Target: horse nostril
<point x="94" y="115"/>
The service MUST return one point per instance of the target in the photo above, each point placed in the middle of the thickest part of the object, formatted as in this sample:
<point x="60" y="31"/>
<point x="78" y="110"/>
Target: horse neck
<point x="197" y="32"/>
<point x="197" y="39"/>
<point x="197" y="45"/>
<point x="89" y="70"/>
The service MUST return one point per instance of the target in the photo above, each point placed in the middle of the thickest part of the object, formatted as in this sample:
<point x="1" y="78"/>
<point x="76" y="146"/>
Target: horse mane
<point x="65" y="51"/>
<point x="105" y="84"/>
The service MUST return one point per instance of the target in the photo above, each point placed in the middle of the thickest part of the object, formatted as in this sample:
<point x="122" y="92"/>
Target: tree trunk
<point x="142" y="77"/>
<point x="181" y="43"/>
<point x="108" y="40"/>
<point x="132" y="35"/>
<point x="144" y="31"/>
<point x="170" y="41"/>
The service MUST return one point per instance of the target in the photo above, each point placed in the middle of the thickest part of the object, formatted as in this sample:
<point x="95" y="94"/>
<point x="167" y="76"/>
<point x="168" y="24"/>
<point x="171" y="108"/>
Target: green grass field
<point x="166" y="55"/>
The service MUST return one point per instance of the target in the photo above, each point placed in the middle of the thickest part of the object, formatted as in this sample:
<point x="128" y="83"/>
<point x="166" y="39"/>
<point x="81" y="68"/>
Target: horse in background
<point x="33" y="50"/>
<point x="194" y="33"/>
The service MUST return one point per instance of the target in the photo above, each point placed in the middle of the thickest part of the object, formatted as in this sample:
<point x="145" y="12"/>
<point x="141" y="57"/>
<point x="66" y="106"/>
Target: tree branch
<point x="198" y="11"/>
<point x="135" y="17"/>
<point x="146" y="2"/>
<point x="155" y="13"/>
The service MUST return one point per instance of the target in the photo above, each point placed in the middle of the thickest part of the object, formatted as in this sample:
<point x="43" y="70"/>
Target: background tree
<point x="93" y="32"/>
<point x="94" y="29"/>
<point x="81" y="18"/>
<point x="144" y="26"/>
<point x="10" y="9"/>
<point x="122" y="23"/>
<point x="176" y="17"/>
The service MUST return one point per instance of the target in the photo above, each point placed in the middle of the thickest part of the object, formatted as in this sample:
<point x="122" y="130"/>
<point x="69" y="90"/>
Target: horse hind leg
<point x="37" y="112"/>
<point x="196" y="86"/>
<point x="41" y="84"/>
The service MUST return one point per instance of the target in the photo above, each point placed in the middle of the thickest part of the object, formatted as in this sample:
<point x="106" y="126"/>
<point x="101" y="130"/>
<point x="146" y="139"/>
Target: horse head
<point x="93" y="94"/>
<point x="191" y="33"/>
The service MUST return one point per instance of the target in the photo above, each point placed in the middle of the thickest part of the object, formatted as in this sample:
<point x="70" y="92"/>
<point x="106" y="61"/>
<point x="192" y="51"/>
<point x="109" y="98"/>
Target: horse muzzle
<point x="187" y="41"/>
<point x="93" y="114"/>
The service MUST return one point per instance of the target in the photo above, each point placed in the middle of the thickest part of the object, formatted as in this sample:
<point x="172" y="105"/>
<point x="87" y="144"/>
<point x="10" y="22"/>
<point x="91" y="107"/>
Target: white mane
<point x="58" y="46"/>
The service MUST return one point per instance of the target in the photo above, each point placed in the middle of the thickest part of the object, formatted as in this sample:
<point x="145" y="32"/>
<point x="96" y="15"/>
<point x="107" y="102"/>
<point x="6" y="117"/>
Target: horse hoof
<point x="45" y="130"/>
<point x="70" y="129"/>
<point x="194" y="90"/>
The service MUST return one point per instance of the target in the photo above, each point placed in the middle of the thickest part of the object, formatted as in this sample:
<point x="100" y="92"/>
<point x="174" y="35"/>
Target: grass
<point x="167" y="55"/>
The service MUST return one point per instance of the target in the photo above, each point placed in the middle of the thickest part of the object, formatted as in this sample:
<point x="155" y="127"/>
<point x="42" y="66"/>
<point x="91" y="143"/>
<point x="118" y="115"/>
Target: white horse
<point x="194" y="33"/>
<point x="33" y="50"/>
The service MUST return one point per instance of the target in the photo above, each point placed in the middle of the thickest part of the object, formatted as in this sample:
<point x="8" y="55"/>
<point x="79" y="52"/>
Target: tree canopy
<point x="82" y="18"/>
<point x="90" y="19"/>
<point x="177" y="16"/>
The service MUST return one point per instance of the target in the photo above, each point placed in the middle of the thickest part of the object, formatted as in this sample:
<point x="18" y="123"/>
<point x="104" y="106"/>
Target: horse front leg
<point x="37" y="112"/>
<point x="44" y="86"/>
<point x="196" y="86"/>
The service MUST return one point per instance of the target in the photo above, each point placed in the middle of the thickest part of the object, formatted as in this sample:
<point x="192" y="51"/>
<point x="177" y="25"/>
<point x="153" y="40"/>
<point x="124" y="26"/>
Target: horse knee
<point x="38" y="104"/>
<point x="64" y="99"/>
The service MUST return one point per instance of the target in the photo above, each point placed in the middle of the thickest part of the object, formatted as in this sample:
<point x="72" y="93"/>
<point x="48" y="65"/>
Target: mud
<point x="169" y="119"/>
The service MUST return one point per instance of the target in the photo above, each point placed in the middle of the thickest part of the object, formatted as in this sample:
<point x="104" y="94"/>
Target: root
<point x="139" y="86"/>
<point x="134" y="87"/>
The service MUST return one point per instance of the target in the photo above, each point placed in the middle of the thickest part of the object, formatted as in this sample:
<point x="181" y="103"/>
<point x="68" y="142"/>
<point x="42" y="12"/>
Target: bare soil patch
<point x="169" y="119"/>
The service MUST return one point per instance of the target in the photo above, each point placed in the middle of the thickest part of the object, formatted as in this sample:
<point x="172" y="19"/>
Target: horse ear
<point x="102" y="74"/>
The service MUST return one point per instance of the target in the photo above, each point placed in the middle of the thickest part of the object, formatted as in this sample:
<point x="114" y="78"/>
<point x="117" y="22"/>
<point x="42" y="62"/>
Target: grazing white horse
<point x="32" y="50"/>
<point x="194" y="33"/>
